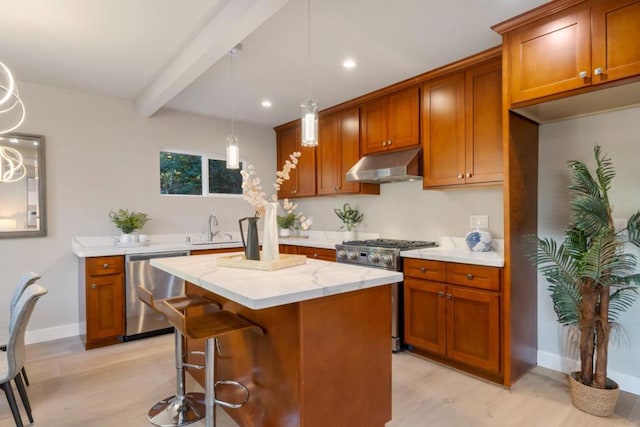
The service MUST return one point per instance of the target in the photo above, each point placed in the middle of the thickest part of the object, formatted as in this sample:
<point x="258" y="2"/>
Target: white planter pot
<point x="349" y="235"/>
<point x="285" y="232"/>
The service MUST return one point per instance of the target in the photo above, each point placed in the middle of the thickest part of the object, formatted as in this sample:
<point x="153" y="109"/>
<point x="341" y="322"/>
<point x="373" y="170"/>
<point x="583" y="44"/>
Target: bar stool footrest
<point x="233" y="384"/>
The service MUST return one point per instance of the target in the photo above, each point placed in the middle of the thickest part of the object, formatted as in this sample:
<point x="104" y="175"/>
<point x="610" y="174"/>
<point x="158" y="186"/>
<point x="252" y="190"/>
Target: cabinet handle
<point x="469" y="175"/>
<point x="389" y="142"/>
<point x="423" y="270"/>
<point x="597" y="71"/>
<point x="469" y="276"/>
<point x="93" y="286"/>
<point x="384" y="143"/>
<point x="460" y="176"/>
<point x="583" y="74"/>
<point x="440" y="294"/>
<point x="448" y="296"/>
<point x="315" y="255"/>
<point x="105" y="265"/>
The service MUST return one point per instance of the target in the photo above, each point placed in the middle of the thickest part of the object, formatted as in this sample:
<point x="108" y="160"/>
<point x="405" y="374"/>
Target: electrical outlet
<point x="479" y="221"/>
<point x="619" y="224"/>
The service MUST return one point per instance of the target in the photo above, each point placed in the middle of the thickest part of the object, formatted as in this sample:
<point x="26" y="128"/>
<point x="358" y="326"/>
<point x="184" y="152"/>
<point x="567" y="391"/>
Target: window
<point x="181" y="174"/>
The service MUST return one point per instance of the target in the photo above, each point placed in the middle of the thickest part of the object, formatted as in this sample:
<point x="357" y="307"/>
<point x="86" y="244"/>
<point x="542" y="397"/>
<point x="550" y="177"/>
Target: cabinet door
<point x="404" y="118"/>
<point x="349" y="132"/>
<point x="287" y="143"/>
<point x="615" y="39"/>
<point x="473" y="327"/>
<point x="328" y="175"/>
<point x="306" y="172"/>
<point x="547" y="56"/>
<point x="105" y="307"/>
<point x="373" y="126"/>
<point x="483" y="157"/>
<point x="425" y="315"/>
<point x="443" y="130"/>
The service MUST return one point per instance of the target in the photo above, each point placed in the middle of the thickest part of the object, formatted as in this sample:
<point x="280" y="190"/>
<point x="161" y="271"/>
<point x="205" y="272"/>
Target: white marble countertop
<point x="454" y="249"/>
<point x="92" y="246"/>
<point x="258" y="289"/>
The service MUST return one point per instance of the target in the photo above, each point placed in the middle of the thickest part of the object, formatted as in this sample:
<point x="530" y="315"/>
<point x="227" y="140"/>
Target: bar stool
<point x="182" y="408"/>
<point x="212" y="327"/>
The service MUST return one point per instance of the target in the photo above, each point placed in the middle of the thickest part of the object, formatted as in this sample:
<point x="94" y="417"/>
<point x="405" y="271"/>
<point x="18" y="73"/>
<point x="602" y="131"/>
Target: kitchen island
<point x="325" y="356"/>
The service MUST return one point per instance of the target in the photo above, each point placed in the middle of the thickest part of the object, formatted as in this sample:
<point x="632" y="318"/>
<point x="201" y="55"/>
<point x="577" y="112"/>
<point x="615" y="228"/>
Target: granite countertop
<point x="258" y="289"/>
<point x="454" y="249"/>
<point x="92" y="246"/>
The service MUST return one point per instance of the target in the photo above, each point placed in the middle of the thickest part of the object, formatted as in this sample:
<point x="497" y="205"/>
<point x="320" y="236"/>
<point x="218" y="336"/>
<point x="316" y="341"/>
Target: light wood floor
<point x="115" y="386"/>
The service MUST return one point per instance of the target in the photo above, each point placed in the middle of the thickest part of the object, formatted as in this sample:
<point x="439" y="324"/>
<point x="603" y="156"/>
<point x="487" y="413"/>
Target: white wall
<point x="404" y="210"/>
<point x="619" y="135"/>
<point x="100" y="156"/>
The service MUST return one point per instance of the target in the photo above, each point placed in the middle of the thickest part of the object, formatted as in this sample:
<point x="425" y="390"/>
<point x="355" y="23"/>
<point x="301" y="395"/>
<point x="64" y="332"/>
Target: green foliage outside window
<point x="180" y="173"/>
<point x="223" y="180"/>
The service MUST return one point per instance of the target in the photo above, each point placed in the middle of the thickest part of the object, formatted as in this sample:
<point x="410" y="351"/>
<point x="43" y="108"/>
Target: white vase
<point x="349" y="235"/>
<point x="125" y="238"/>
<point x="270" y="250"/>
<point x="285" y="232"/>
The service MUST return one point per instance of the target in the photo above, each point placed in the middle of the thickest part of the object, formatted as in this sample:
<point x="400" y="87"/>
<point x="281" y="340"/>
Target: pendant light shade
<point x="233" y="152"/>
<point x="309" y="123"/>
<point x="309" y="134"/>
<point x="233" y="149"/>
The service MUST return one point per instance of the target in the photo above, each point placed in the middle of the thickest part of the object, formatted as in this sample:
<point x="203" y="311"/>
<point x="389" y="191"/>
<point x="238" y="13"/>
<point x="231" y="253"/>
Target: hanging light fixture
<point x="12" y="111"/>
<point x="233" y="149"/>
<point x="12" y="167"/>
<point x="309" y="132"/>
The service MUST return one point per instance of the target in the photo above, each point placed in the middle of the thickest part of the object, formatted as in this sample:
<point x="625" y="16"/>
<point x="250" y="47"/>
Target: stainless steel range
<point x="383" y="253"/>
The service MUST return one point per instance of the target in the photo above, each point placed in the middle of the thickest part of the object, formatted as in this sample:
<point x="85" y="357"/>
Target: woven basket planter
<point x="594" y="401"/>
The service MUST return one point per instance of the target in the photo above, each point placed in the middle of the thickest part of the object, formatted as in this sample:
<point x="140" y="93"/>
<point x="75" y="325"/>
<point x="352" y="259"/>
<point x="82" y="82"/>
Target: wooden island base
<point x="322" y="362"/>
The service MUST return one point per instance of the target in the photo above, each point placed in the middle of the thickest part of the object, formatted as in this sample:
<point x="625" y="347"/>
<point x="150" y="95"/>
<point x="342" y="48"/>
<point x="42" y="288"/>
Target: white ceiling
<point x="171" y="53"/>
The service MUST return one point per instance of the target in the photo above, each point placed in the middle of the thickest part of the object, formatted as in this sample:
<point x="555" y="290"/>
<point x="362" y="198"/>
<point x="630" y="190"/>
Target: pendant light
<point x="309" y="132"/>
<point x="233" y="149"/>
<point x="12" y="112"/>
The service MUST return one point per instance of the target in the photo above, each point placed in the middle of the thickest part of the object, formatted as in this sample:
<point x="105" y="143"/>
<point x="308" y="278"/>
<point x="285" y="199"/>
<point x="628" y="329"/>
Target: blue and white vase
<point x="478" y="240"/>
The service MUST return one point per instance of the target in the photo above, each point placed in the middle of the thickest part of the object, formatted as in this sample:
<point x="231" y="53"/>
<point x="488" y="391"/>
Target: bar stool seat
<point x="182" y="408"/>
<point x="211" y="326"/>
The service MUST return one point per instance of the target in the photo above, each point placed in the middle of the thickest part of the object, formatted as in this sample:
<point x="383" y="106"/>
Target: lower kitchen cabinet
<point x="310" y="252"/>
<point x="455" y="323"/>
<point x="104" y="300"/>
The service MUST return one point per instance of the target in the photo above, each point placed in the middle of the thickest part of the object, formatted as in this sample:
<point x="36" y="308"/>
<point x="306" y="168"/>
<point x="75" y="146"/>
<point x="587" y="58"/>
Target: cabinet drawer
<point x="102" y="266"/>
<point x="317" y="253"/>
<point x="425" y="269"/>
<point x="475" y="276"/>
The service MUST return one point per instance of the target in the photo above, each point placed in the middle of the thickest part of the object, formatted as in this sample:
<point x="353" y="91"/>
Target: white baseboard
<point x="54" y="333"/>
<point x="626" y="382"/>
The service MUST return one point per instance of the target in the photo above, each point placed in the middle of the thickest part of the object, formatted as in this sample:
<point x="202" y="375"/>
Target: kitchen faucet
<point x="213" y="222"/>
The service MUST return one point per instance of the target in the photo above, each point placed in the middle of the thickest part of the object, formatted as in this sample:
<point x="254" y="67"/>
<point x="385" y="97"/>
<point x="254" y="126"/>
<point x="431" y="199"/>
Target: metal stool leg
<point x="209" y="381"/>
<point x="183" y="408"/>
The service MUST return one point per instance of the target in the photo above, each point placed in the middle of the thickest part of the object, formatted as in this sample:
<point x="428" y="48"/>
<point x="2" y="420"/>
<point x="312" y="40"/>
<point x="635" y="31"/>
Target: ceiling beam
<point x="235" y="21"/>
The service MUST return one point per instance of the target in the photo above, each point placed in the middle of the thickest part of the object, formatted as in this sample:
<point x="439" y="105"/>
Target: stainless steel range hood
<point x="392" y="166"/>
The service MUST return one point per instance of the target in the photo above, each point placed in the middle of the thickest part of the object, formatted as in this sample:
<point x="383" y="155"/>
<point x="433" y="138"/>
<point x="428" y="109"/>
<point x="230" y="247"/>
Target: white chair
<point x="12" y="360"/>
<point x="27" y="279"/>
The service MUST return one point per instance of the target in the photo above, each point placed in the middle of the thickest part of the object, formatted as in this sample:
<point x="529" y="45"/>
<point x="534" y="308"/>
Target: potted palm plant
<point x="591" y="279"/>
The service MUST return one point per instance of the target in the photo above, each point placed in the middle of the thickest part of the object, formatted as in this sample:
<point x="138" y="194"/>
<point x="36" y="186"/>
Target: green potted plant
<point x="591" y="279"/>
<point x="286" y="222"/>
<point x="128" y="222"/>
<point x="351" y="218"/>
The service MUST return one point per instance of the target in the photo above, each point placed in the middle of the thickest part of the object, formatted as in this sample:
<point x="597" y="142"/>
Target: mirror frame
<point x="42" y="199"/>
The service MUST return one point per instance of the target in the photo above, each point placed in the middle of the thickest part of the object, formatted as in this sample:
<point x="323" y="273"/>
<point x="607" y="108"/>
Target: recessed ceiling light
<point x="266" y="103"/>
<point x="349" y="63"/>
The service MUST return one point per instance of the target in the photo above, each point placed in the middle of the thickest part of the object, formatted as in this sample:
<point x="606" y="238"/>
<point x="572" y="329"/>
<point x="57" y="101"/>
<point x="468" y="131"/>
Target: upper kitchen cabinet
<point x="390" y="122"/>
<point x="338" y="150"/>
<point x="559" y="47"/>
<point x="302" y="181"/>
<point x="462" y="127"/>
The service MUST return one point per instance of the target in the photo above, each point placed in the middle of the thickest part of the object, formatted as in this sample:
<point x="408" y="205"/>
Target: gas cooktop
<point x="391" y="243"/>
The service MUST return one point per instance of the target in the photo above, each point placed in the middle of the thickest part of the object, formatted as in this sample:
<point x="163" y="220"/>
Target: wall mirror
<point x="22" y="186"/>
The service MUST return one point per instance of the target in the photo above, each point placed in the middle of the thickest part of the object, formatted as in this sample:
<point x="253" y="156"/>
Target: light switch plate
<point x="479" y="221"/>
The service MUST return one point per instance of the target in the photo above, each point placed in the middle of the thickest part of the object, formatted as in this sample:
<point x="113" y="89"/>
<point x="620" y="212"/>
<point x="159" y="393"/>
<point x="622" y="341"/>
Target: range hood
<point x="392" y="166"/>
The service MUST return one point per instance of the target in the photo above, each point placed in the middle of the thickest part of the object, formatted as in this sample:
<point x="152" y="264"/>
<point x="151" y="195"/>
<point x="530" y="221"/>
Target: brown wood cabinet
<point x="457" y="320"/>
<point x="104" y="300"/>
<point x="462" y="127"/>
<point x="591" y="43"/>
<point x="390" y="122"/>
<point x="338" y="150"/>
<point x="302" y="182"/>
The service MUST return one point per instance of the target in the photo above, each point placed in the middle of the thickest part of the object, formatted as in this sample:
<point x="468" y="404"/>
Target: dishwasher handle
<point x="145" y="257"/>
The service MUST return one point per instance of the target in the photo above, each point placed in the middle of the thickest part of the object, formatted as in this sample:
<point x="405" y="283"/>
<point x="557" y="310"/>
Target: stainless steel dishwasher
<point x="141" y="320"/>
